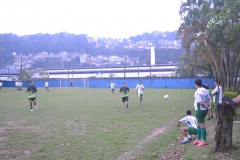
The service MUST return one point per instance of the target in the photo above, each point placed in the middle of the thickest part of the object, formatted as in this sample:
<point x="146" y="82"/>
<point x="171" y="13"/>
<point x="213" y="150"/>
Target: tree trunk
<point x="235" y="78"/>
<point x="223" y="129"/>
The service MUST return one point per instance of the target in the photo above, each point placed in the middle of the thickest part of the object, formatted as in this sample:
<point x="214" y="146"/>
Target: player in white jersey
<point x="20" y="86"/>
<point x="191" y="128"/>
<point x="201" y="105"/>
<point x="1" y="84"/>
<point x="16" y="84"/>
<point x="140" y="89"/>
<point x="112" y="85"/>
<point x="46" y="86"/>
<point x="217" y="94"/>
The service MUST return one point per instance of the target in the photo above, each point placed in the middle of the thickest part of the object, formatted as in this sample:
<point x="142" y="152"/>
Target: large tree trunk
<point x="223" y="129"/>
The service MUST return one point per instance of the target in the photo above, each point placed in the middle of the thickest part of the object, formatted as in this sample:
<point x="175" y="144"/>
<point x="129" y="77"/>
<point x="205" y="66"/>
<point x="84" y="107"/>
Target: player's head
<point x="124" y="84"/>
<point x="198" y="83"/>
<point x="188" y="112"/>
<point x="140" y="82"/>
<point x="31" y="83"/>
<point x="216" y="82"/>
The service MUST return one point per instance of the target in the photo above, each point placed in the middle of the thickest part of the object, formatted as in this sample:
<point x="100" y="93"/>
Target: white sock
<point x="189" y="136"/>
<point x="185" y="138"/>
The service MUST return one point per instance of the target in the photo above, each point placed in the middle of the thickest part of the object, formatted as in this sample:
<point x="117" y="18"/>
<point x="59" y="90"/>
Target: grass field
<point x="92" y="124"/>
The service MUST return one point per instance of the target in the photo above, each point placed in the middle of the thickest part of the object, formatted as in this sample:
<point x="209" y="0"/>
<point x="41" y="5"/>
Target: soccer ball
<point x="166" y="97"/>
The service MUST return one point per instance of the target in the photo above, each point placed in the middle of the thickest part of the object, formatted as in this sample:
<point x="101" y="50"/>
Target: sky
<point x="96" y="18"/>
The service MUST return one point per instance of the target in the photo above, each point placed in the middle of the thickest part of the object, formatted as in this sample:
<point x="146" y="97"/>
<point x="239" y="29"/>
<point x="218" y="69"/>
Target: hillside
<point x="136" y="48"/>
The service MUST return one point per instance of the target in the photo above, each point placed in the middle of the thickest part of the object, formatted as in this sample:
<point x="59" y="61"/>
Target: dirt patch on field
<point x="14" y="154"/>
<point x="76" y="128"/>
<point x="21" y="125"/>
<point x="156" y="132"/>
<point x="139" y="147"/>
<point x="18" y="127"/>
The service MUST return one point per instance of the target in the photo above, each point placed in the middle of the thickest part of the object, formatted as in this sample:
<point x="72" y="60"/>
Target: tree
<point x="213" y="27"/>
<point x="25" y="75"/>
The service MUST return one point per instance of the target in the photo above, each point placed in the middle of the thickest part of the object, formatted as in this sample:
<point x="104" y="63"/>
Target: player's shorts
<point x="192" y="130"/>
<point x="124" y="99"/>
<point x="200" y="115"/>
<point x="32" y="99"/>
<point x="112" y="90"/>
<point x="140" y="94"/>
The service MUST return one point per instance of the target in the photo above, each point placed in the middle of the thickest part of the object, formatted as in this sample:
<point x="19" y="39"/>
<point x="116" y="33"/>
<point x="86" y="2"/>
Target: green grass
<point x="76" y="123"/>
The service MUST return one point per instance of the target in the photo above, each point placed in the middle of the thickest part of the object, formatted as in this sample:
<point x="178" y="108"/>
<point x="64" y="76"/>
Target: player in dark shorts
<point x="32" y="94"/>
<point x="124" y="90"/>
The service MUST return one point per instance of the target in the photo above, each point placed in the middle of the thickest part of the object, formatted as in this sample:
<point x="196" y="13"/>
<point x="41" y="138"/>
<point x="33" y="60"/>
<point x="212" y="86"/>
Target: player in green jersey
<point x="124" y="92"/>
<point x="32" y="94"/>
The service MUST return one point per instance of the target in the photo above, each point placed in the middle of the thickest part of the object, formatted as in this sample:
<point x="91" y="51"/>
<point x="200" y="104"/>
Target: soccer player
<point x="140" y="89"/>
<point x="20" y="86"/>
<point x="46" y="86"/>
<point x="112" y="85"/>
<point x="201" y="105"/>
<point x="217" y="94"/>
<point x="1" y="84"/>
<point x="16" y="84"/>
<point x="124" y="92"/>
<point x="210" y="111"/>
<point x="32" y="94"/>
<point x="191" y="122"/>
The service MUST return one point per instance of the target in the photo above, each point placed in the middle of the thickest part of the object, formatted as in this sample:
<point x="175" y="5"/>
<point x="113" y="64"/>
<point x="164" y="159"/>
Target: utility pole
<point x="125" y="65"/>
<point x="21" y="71"/>
<point x="8" y="70"/>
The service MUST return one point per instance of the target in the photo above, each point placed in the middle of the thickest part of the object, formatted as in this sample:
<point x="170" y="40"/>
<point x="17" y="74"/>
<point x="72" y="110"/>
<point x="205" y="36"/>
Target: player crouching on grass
<point x="124" y="94"/>
<point x="32" y="94"/>
<point x="191" y="121"/>
<point x="201" y="105"/>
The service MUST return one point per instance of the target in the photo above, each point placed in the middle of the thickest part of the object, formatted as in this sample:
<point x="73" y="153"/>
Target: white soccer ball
<point x="166" y="96"/>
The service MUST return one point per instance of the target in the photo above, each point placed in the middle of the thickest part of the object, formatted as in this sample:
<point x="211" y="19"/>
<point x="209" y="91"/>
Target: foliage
<point x="231" y="94"/>
<point x="25" y="75"/>
<point x="212" y="27"/>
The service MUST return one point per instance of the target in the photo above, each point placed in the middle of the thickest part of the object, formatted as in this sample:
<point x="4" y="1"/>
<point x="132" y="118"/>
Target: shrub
<point x="230" y="94"/>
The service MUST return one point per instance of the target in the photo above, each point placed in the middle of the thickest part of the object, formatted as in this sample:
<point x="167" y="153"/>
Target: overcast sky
<point x="96" y="18"/>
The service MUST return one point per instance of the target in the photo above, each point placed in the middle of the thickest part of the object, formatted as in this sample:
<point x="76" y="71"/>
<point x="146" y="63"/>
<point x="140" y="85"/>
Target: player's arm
<point x="27" y="91"/>
<point x="178" y="124"/>
<point x="183" y="120"/>
<point x="215" y="91"/>
<point x="128" y="90"/>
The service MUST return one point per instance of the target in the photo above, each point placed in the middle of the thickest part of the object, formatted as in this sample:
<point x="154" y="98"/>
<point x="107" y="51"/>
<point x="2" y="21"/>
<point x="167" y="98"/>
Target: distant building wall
<point x="131" y="83"/>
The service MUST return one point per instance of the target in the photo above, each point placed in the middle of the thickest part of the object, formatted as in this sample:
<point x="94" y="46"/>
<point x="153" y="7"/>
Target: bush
<point x="230" y="94"/>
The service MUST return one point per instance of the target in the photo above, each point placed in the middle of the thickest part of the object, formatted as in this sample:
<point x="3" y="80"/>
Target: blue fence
<point x="131" y="83"/>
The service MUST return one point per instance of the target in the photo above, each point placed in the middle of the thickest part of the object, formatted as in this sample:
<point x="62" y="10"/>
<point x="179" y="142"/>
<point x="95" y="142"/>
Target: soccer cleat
<point x="196" y="142"/>
<point x="31" y="110"/>
<point x="202" y="144"/>
<point x="189" y="139"/>
<point x="35" y="106"/>
<point x="184" y="142"/>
